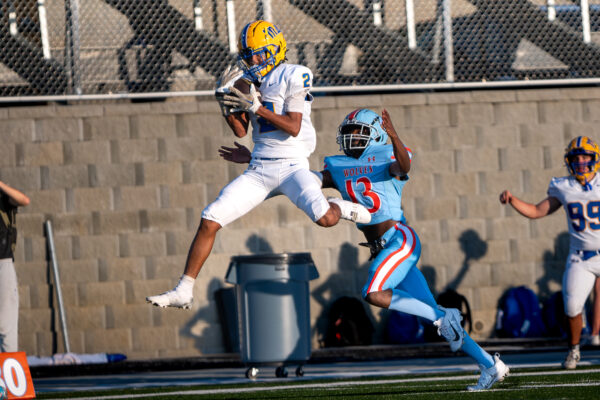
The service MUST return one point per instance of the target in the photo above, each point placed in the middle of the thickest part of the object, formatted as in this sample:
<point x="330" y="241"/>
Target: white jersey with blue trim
<point x="582" y="208"/>
<point x="367" y="181"/>
<point x="281" y="84"/>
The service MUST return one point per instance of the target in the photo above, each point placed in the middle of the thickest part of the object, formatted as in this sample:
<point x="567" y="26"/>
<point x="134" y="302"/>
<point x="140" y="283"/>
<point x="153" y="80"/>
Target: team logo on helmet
<point x="263" y="39"/>
<point x="360" y="129"/>
<point x="582" y="171"/>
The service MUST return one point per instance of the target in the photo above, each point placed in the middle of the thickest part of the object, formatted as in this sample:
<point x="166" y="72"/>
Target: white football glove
<point x="243" y="102"/>
<point x="231" y="74"/>
<point x="227" y="79"/>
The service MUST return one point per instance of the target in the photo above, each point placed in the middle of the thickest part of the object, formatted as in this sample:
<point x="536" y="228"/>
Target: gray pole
<point x="448" y="42"/>
<point x="44" y="28"/>
<point x="61" y="308"/>
<point x="73" y="44"/>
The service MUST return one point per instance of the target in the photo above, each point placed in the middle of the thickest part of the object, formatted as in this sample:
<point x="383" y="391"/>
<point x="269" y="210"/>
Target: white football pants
<point x="9" y="307"/>
<point x="266" y="178"/>
<point x="578" y="281"/>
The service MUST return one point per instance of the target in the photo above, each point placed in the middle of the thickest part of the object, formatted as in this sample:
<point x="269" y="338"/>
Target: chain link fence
<point x="126" y="47"/>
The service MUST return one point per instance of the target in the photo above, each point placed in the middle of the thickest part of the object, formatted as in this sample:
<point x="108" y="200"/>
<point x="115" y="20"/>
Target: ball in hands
<point x="242" y="85"/>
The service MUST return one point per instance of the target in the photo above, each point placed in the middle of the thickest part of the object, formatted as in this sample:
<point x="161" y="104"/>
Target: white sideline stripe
<point x="331" y="385"/>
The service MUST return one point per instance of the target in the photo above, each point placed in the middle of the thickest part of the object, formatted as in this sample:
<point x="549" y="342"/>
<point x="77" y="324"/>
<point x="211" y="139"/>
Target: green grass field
<point x="543" y="384"/>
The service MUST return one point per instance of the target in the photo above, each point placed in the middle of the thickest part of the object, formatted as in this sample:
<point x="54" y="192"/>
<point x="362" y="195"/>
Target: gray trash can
<point x="273" y="309"/>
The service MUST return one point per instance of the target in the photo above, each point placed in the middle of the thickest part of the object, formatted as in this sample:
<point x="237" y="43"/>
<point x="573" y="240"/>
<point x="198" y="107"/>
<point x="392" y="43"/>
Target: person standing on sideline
<point x="373" y="174"/>
<point x="579" y="194"/>
<point x="10" y="200"/>
<point x="283" y="137"/>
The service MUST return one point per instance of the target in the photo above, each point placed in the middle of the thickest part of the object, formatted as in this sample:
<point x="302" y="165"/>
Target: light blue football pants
<point x="395" y="267"/>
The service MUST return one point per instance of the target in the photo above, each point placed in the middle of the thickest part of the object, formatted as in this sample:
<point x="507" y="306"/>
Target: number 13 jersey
<point x="582" y="208"/>
<point x="367" y="181"/>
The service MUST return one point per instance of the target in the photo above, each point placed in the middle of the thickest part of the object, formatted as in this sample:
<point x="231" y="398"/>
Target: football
<point x="242" y="85"/>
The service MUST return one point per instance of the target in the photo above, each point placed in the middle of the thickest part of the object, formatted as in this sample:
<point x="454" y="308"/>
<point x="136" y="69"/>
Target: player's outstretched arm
<point x="402" y="165"/>
<point x="16" y="197"/>
<point x="545" y="207"/>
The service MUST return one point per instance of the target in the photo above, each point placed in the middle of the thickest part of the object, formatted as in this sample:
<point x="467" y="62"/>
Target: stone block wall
<point x="124" y="186"/>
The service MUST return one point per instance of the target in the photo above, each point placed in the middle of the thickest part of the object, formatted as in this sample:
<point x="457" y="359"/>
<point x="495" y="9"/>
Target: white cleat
<point x="172" y="298"/>
<point x="491" y="375"/>
<point x="572" y="359"/>
<point x="595" y="340"/>
<point x="450" y="328"/>
<point x="352" y="211"/>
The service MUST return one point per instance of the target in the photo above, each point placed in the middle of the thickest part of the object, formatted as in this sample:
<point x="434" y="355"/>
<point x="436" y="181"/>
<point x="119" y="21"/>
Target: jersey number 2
<point x="366" y="183"/>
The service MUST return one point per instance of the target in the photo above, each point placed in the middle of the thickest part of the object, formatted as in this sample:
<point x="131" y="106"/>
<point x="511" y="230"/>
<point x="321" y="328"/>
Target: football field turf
<point x="549" y="383"/>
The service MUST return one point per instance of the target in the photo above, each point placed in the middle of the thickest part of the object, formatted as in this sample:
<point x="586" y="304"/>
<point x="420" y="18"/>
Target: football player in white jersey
<point x="283" y="136"/>
<point x="579" y="194"/>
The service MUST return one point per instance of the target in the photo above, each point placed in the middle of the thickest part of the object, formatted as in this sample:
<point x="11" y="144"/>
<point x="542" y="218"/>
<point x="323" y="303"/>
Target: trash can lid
<point x="259" y="267"/>
<point x="277" y="259"/>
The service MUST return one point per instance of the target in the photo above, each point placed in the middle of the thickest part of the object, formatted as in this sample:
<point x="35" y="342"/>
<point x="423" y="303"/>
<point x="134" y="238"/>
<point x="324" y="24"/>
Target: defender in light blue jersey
<point x="373" y="174"/>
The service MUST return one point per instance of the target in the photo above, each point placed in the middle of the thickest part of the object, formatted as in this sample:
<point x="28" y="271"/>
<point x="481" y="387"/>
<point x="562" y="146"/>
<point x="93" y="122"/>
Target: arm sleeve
<point x="553" y="190"/>
<point x="298" y="88"/>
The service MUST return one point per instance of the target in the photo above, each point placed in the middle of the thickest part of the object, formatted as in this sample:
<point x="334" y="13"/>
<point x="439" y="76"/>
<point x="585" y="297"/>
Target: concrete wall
<point x="124" y="185"/>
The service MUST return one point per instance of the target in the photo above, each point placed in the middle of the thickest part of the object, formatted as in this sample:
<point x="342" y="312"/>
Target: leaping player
<point x="278" y="106"/>
<point x="373" y="174"/>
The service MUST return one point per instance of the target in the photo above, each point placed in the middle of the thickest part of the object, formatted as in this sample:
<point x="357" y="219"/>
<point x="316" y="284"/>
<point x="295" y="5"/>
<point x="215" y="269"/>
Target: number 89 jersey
<point x="582" y="208"/>
<point x="367" y="181"/>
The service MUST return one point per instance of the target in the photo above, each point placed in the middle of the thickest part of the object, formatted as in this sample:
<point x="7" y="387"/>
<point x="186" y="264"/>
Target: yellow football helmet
<point x="582" y="145"/>
<point x="264" y="39"/>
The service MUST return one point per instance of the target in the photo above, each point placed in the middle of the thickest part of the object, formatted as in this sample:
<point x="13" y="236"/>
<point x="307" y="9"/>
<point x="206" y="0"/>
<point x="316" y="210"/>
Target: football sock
<point x="476" y="352"/>
<point x="574" y="347"/>
<point x="186" y="283"/>
<point x="404" y="302"/>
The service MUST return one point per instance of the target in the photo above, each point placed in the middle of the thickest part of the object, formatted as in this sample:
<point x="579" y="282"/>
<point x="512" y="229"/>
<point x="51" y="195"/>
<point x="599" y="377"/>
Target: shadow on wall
<point x="348" y="281"/>
<point x="222" y="297"/>
<point x="554" y="266"/>
<point x="200" y="327"/>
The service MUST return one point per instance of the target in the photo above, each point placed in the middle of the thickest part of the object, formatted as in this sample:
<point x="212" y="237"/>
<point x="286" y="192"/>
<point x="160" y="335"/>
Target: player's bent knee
<point x="209" y="226"/>
<point x="379" y="299"/>
<point x="329" y="219"/>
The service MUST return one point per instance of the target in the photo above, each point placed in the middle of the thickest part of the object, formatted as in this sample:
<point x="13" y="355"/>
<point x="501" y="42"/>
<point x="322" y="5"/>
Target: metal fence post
<point x="73" y="44"/>
<point x="410" y="24"/>
<point x="448" y="42"/>
<point x="377" y="13"/>
<point x="231" y="29"/>
<point x="551" y="10"/>
<point x="44" y="28"/>
<point x="265" y="10"/>
<point x="585" y="21"/>
<point x="12" y="19"/>
<point x="61" y="307"/>
<point x="197" y="15"/>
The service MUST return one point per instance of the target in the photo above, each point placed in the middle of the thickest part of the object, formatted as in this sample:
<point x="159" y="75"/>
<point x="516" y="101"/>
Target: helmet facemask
<point x="257" y="71"/>
<point x="353" y="138"/>
<point x="582" y="171"/>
